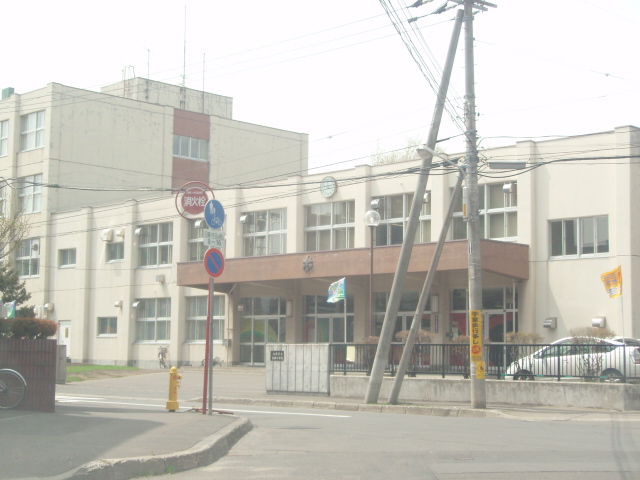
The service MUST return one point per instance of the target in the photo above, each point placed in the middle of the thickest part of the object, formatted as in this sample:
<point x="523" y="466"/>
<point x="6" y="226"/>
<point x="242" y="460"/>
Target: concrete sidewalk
<point x="91" y="439"/>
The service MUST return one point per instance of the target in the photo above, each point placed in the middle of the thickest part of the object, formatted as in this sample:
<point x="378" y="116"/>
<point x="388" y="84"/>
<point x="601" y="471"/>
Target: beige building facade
<point x="125" y="277"/>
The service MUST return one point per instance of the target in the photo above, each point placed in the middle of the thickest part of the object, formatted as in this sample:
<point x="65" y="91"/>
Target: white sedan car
<point x="607" y="360"/>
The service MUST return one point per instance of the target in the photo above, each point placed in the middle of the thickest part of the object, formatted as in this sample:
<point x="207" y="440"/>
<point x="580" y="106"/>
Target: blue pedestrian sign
<point x="214" y="262"/>
<point x="214" y="214"/>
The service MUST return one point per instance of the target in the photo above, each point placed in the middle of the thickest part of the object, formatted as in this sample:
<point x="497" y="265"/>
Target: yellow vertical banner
<point x="613" y="282"/>
<point x="476" y="335"/>
<point x="481" y="373"/>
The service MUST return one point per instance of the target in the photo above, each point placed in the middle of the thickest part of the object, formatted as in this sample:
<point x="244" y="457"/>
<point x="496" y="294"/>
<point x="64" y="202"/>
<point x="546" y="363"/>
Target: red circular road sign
<point x="214" y="262"/>
<point x="192" y="199"/>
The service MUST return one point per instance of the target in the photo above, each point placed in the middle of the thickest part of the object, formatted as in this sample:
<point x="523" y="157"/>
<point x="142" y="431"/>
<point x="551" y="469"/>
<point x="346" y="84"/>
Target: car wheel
<point x="523" y="375"/>
<point x="611" y="376"/>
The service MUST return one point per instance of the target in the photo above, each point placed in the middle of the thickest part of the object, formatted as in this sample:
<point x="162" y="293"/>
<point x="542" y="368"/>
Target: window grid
<point x="156" y="245"/>
<point x="325" y="322"/>
<point x="67" y="257"/>
<point x="115" y="251"/>
<point x="107" y="326"/>
<point x="28" y="258"/>
<point x="197" y="318"/>
<point x="264" y="233"/>
<point x="579" y="237"/>
<point x="394" y="213"/>
<point x="498" y="212"/>
<point x="4" y="138"/>
<point x="154" y="319"/>
<point x="329" y="226"/>
<point x="30" y="193"/>
<point x="191" y="148"/>
<point x="32" y="131"/>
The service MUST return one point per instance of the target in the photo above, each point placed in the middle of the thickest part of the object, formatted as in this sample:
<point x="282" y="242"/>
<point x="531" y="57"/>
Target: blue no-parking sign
<point x="214" y="214"/>
<point x="214" y="262"/>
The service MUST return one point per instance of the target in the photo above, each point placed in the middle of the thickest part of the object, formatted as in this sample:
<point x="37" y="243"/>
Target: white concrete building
<point x="125" y="277"/>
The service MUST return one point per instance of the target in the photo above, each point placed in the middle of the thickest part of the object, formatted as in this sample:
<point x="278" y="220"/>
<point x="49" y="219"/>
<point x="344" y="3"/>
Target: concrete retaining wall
<point x="499" y="392"/>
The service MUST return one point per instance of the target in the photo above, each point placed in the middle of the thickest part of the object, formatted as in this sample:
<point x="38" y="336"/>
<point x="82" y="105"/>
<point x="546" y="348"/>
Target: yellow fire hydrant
<point x="174" y="385"/>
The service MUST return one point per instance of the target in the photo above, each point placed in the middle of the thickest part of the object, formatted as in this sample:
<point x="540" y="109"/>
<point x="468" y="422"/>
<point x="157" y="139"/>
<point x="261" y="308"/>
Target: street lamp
<point x="371" y="220"/>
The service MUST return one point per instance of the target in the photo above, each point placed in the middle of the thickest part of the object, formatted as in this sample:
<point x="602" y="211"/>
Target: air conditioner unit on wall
<point x="107" y="234"/>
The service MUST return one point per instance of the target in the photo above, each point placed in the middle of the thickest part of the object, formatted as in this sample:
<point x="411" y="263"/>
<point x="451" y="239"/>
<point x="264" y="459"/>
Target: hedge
<point x="27" y="328"/>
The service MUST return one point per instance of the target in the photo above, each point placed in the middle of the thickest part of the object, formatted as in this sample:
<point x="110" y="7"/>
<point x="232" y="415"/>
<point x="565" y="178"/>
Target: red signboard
<point x="194" y="200"/>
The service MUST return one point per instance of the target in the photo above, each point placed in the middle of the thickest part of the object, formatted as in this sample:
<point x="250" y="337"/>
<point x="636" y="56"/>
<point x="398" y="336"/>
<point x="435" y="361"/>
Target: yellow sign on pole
<point x="613" y="282"/>
<point x="480" y="370"/>
<point x="476" y="335"/>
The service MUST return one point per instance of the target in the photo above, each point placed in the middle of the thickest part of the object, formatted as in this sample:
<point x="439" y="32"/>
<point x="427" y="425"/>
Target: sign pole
<point x="207" y="352"/>
<point x="210" y="344"/>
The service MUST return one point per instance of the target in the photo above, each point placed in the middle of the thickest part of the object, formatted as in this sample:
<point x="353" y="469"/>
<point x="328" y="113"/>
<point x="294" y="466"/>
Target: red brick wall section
<point x="36" y="361"/>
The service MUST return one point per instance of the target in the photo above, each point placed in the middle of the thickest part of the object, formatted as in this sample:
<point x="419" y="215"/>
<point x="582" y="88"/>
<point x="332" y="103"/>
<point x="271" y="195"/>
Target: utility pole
<point x="478" y="387"/>
<point x="382" y="352"/>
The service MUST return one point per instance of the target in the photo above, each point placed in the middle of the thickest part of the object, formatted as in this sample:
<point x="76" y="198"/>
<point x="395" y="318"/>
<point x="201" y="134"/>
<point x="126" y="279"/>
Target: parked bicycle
<point x="214" y="361"/>
<point x="12" y="388"/>
<point x="162" y="356"/>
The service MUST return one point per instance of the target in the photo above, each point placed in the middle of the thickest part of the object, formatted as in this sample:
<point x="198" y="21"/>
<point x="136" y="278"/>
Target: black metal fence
<point x="521" y="362"/>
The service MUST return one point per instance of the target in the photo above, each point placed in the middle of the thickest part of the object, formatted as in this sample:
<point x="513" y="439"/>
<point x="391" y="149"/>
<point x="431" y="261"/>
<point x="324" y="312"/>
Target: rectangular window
<point x="329" y="226"/>
<point x="191" y="148"/>
<point x="28" y="258"/>
<point x="156" y="244"/>
<point x="578" y="237"/>
<point x="498" y="210"/>
<point x="394" y="213"/>
<point x="264" y="232"/>
<point x="197" y="318"/>
<point x="153" y="319"/>
<point x="115" y="252"/>
<point x="107" y="326"/>
<point x="4" y="138"/>
<point x="32" y="131"/>
<point x="67" y="257"/>
<point x="30" y="193"/>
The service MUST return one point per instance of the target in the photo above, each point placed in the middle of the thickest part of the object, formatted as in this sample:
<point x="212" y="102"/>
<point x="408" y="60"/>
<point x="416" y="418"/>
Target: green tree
<point x="13" y="289"/>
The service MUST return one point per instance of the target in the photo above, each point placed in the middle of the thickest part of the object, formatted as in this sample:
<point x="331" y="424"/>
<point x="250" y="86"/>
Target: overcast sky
<point x="339" y="71"/>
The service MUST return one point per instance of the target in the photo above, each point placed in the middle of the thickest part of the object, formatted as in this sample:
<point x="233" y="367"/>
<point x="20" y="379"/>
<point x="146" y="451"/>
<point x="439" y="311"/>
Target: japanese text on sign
<point x="476" y="335"/>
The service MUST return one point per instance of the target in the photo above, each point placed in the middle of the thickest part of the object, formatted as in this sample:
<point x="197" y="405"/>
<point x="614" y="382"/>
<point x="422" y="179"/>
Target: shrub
<point x="589" y="334"/>
<point x="524" y="338"/>
<point x="424" y="336"/>
<point x="29" y="328"/>
<point x="371" y="340"/>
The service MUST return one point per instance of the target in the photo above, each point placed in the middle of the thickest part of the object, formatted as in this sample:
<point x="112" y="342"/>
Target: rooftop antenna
<point x="183" y="102"/>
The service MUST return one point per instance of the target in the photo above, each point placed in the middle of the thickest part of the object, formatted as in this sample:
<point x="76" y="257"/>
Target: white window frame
<point x="197" y="319"/>
<point x="579" y="231"/>
<point x="107" y="327"/>
<point x="264" y="232"/>
<point x="115" y="252"/>
<point x="384" y="231"/>
<point x="156" y="245"/>
<point x="4" y="138"/>
<point x="152" y="313"/>
<point x="28" y="258"/>
<point x="30" y="193"/>
<point x="333" y="228"/>
<point x="67" y="257"/>
<point x="508" y="211"/>
<point x="191" y="148"/>
<point x="32" y="131"/>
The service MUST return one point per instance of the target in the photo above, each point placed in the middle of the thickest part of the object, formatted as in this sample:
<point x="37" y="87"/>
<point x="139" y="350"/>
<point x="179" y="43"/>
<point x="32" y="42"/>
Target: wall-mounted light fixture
<point x="135" y="304"/>
<point x="200" y="223"/>
<point x="599" y="322"/>
<point x="375" y="203"/>
<point x="510" y="188"/>
<point x="243" y="218"/>
<point x="118" y="304"/>
<point x="435" y="304"/>
<point x="160" y="278"/>
<point x="241" y="308"/>
<point x="49" y="307"/>
<point x="138" y="231"/>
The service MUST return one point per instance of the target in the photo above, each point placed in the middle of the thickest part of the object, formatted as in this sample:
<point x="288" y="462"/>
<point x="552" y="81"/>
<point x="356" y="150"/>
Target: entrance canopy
<point x="507" y="259"/>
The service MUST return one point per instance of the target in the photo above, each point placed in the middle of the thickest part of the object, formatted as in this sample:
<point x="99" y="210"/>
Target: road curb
<point x="362" y="407"/>
<point x="203" y="453"/>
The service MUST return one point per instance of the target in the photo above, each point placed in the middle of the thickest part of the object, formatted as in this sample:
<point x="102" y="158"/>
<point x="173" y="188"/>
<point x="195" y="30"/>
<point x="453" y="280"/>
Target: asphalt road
<point x="289" y="443"/>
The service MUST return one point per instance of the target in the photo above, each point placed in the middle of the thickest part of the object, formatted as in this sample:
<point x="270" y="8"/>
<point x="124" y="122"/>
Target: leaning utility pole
<point x="382" y="352"/>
